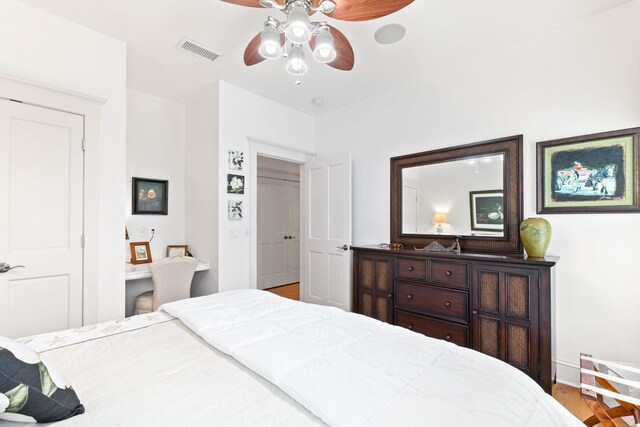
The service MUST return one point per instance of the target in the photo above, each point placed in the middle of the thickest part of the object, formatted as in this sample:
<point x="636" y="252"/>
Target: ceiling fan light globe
<point x="324" y="51"/>
<point x="296" y="64"/>
<point x="270" y="47"/>
<point x="298" y="26"/>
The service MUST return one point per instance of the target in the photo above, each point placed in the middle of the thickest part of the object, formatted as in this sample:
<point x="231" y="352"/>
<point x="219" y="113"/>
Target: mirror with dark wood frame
<point x="472" y="191"/>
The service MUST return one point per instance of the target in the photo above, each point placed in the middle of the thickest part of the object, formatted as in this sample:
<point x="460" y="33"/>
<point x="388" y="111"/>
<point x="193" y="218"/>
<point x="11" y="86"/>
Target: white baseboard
<point x="567" y="373"/>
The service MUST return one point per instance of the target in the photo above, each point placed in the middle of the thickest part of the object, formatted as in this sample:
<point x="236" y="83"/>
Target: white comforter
<point x="350" y="370"/>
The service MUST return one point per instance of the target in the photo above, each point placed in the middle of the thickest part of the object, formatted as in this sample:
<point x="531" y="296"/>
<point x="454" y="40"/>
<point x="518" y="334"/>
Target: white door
<point x="409" y="209"/>
<point x="293" y="225"/>
<point x="41" y="219"/>
<point x="326" y="264"/>
<point x="278" y="232"/>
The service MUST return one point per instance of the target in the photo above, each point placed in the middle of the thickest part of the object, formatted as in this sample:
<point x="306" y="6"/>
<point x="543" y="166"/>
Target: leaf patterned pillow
<point x="31" y="391"/>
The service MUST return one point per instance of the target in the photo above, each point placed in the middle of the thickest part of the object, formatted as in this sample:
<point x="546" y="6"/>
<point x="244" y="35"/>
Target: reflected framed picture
<point x="595" y="173"/>
<point x="140" y="253"/>
<point x="150" y="196"/>
<point x="487" y="209"/>
<point x="177" y="250"/>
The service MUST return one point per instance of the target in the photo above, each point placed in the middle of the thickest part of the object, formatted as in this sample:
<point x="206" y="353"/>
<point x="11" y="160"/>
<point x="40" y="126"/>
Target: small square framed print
<point x="140" y="253"/>
<point x="177" y="250"/>
<point x="235" y="210"/>
<point x="236" y="160"/>
<point x="235" y="184"/>
<point x="150" y="197"/>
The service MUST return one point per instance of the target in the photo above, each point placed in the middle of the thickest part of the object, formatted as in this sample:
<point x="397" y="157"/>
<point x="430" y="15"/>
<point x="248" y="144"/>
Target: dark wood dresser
<point x="496" y="304"/>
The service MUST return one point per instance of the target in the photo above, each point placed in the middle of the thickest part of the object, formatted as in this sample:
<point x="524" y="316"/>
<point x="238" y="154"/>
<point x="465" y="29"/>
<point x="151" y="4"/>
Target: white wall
<point x="156" y="136"/>
<point x="244" y="114"/>
<point x="202" y="185"/>
<point x="41" y="48"/>
<point x="576" y="80"/>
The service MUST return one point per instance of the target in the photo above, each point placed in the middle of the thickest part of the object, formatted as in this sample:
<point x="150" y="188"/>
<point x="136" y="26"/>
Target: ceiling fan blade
<point x="248" y="3"/>
<point x="365" y="10"/>
<point x="345" y="58"/>
<point x="252" y="55"/>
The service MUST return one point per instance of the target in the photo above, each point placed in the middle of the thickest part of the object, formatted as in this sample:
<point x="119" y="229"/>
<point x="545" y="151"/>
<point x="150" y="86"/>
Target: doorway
<point x="41" y="219"/>
<point x="278" y="224"/>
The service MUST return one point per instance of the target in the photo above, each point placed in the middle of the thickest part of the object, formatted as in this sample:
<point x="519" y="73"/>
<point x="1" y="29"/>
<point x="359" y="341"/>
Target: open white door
<point x="41" y="219"/>
<point x="326" y="224"/>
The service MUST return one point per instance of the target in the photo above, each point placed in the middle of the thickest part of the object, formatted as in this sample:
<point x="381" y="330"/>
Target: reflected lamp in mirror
<point x="439" y="219"/>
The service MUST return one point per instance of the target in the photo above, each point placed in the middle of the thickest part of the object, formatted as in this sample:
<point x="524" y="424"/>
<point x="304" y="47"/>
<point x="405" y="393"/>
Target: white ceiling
<point x="440" y="34"/>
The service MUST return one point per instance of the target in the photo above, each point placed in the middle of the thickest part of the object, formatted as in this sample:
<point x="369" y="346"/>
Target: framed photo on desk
<point x="140" y="253"/>
<point x="177" y="250"/>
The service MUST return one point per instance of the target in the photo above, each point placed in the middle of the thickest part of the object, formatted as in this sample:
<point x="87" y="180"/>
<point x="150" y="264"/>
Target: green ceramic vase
<point x="536" y="235"/>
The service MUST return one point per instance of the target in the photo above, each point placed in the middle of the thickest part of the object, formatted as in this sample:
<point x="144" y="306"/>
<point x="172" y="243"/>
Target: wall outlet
<point x="247" y="232"/>
<point x="144" y="232"/>
<point x="234" y="233"/>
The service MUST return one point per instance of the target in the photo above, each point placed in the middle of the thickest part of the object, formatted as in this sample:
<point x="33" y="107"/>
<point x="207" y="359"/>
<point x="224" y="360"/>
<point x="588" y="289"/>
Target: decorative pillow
<point x="30" y="391"/>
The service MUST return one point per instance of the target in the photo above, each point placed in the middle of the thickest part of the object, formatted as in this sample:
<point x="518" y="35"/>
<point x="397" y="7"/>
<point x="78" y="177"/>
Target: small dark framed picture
<point x="589" y="174"/>
<point x="177" y="250"/>
<point x="486" y="210"/>
<point x="140" y="253"/>
<point x="235" y="184"/>
<point x="150" y="197"/>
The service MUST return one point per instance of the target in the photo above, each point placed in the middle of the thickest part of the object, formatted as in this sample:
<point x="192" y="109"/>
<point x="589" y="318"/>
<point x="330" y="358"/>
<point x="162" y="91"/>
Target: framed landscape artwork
<point x="177" y="250"/>
<point x="150" y="196"/>
<point x="589" y="174"/>
<point x="140" y="253"/>
<point x="486" y="210"/>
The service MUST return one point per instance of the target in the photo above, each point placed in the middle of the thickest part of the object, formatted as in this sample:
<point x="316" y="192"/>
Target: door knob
<point x="4" y="267"/>
<point x="343" y="247"/>
<point x="291" y="237"/>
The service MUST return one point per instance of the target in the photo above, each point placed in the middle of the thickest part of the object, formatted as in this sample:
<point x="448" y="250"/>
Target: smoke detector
<point x="196" y="49"/>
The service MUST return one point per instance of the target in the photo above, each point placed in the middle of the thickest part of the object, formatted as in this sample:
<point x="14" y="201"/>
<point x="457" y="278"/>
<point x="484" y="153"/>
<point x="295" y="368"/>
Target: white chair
<point x="171" y="282"/>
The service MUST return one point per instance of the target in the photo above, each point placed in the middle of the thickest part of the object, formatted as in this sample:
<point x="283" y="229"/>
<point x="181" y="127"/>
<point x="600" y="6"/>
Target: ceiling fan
<point x="328" y="44"/>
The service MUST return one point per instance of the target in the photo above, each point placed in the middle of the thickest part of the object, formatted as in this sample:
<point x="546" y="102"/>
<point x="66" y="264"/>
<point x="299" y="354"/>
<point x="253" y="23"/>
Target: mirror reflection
<point x="461" y="197"/>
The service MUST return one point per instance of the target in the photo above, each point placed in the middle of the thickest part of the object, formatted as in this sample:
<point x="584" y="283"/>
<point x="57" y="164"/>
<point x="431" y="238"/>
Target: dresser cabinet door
<point x="505" y="315"/>
<point x="374" y="286"/>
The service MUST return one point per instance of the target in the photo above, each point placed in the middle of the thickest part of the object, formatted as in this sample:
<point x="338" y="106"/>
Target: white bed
<point x="300" y="365"/>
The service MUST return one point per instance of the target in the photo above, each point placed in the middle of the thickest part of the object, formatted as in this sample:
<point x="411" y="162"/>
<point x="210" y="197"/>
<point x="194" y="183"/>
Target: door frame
<point x="88" y="107"/>
<point x="261" y="147"/>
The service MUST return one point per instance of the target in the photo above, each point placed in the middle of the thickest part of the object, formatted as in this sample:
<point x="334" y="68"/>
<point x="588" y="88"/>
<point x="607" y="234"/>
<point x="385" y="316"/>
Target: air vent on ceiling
<point x="196" y="49"/>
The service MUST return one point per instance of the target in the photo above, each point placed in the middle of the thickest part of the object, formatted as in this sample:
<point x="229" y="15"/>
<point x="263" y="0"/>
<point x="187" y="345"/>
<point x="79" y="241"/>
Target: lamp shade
<point x="324" y="51"/>
<point x="270" y="47"/>
<point x="439" y="218"/>
<point x="296" y="64"/>
<point x="298" y="27"/>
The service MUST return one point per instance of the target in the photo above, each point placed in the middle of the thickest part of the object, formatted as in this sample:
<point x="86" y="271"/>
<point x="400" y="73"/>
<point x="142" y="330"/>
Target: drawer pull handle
<point x="448" y="273"/>
<point x="447" y="338"/>
<point x="390" y="296"/>
<point x="410" y="327"/>
<point x="447" y="303"/>
<point x="410" y="268"/>
<point x="409" y="296"/>
<point x="474" y="311"/>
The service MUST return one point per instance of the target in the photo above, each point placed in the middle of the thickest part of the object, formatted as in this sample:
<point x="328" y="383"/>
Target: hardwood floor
<point x="291" y="291"/>
<point x="568" y="397"/>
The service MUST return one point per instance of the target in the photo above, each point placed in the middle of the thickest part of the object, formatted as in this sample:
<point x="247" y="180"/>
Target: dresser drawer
<point x="440" y="329"/>
<point x="432" y="301"/>
<point x="411" y="268"/>
<point x="450" y="273"/>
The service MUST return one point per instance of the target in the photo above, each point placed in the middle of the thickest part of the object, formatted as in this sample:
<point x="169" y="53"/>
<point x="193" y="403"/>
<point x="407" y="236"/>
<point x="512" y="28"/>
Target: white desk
<point x="142" y="271"/>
